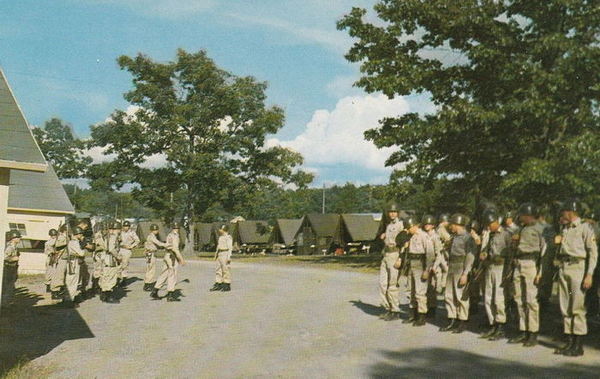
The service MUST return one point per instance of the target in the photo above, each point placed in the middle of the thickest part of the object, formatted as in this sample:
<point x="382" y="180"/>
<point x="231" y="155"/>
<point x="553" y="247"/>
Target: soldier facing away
<point x="60" y="269"/>
<point x="390" y="265"/>
<point x="223" y="259"/>
<point x="129" y="241"/>
<point x="11" y="266"/>
<point x="576" y="260"/>
<point x="50" y="251"/>
<point x="111" y="258"/>
<point x="151" y="246"/>
<point x="73" y="257"/>
<point x="172" y="260"/>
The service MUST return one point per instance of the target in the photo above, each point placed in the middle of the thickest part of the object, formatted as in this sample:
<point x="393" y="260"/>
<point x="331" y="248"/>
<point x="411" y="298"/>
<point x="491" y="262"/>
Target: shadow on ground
<point x="451" y="363"/>
<point x="27" y="332"/>
<point x="354" y="261"/>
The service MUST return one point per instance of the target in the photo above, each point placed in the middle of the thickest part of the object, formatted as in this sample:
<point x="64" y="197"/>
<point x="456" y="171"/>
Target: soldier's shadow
<point x="369" y="309"/>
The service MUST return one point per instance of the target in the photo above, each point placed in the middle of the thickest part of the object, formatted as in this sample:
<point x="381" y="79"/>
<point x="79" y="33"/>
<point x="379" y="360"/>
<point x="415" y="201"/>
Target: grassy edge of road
<point x="356" y="263"/>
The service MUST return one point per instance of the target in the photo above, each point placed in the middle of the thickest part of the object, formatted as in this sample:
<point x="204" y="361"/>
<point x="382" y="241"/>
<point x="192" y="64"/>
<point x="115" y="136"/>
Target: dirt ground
<point x="278" y="321"/>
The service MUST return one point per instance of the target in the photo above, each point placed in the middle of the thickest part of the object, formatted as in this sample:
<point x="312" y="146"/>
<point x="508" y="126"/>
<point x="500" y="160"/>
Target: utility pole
<point x="323" y="208"/>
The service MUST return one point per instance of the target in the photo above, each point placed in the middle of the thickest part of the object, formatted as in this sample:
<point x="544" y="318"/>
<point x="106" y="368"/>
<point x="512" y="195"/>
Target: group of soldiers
<point x="68" y="275"/>
<point x="509" y="260"/>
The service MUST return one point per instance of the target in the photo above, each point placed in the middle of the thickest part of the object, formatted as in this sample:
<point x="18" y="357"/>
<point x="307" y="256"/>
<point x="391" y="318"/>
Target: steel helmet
<point x="459" y="219"/>
<point x="528" y="209"/>
<point x="428" y="219"/>
<point x="153" y="227"/>
<point x="53" y="233"/>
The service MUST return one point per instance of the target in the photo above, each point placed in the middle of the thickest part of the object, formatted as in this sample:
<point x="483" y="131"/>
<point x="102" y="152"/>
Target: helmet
<point x="402" y="238"/>
<point x="175" y="225"/>
<point x="77" y="230"/>
<point x="81" y="221"/>
<point x="428" y="219"/>
<point x="444" y="217"/>
<point x="572" y="205"/>
<point x="53" y="233"/>
<point x="126" y="223"/>
<point x="528" y="209"/>
<point x="490" y="217"/>
<point x="153" y="227"/>
<point x="393" y="207"/>
<point x="410" y="221"/>
<point x="459" y="219"/>
<point x="13" y="234"/>
<point x="509" y="214"/>
<point x="115" y="225"/>
<point x="224" y="228"/>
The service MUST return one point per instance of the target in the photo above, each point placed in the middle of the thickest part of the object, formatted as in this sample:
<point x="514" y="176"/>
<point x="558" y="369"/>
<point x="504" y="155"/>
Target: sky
<point x="60" y="59"/>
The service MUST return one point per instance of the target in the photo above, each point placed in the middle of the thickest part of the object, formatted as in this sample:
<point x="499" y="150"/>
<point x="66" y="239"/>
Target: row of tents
<point x="309" y="235"/>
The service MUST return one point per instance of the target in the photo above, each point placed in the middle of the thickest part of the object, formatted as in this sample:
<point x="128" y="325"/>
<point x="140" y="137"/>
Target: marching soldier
<point x="527" y="274"/>
<point x="390" y="265"/>
<point x="576" y="262"/>
<point x="50" y="251"/>
<point x="151" y="246"/>
<point x="60" y="269"/>
<point x="223" y="258"/>
<point x="111" y="263"/>
<point x="172" y="260"/>
<point x="129" y="240"/>
<point x="494" y="257"/>
<point x="446" y="238"/>
<point x="436" y="269"/>
<point x="462" y="256"/>
<point x="11" y="266"/>
<point x="97" y="258"/>
<point x="420" y="258"/>
<point x="72" y="258"/>
<point x="509" y="223"/>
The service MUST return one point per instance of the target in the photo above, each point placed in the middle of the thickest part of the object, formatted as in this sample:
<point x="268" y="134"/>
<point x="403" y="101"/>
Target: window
<point x="20" y="227"/>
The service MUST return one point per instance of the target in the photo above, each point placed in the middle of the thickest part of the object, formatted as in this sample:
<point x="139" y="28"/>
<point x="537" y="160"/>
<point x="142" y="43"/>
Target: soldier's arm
<point x="543" y="248"/>
<point x="75" y="249"/>
<point x="156" y="241"/>
<point x="592" y="250"/>
<point x="136" y="241"/>
<point x="471" y="251"/>
<point x="429" y="251"/>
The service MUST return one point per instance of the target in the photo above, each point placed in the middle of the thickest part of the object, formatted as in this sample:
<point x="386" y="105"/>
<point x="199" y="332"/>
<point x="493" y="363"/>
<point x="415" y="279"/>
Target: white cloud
<point x="337" y="136"/>
<point x="342" y="85"/>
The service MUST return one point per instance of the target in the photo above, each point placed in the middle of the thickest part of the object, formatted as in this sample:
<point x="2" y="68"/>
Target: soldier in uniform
<point x="129" y="240"/>
<point x="97" y="258"/>
<point x="390" y="265"/>
<point x="72" y="258"/>
<point x="531" y="247"/>
<point x="223" y="259"/>
<point x="11" y="266"/>
<point x="475" y="283"/>
<point x="50" y="251"/>
<point x="172" y="260"/>
<point x="461" y="258"/>
<point x="60" y="271"/>
<point x="111" y="258"/>
<point x="576" y="262"/>
<point x="420" y="258"/>
<point x="435" y="286"/>
<point x="151" y="246"/>
<point x="548" y="269"/>
<point x="494" y="257"/>
<point x="509" y="223"/>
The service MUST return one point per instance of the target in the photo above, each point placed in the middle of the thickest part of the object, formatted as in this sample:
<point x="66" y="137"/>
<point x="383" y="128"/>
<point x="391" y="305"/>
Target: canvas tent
<point x="283" y="238"/>
<point x="356" y="232"/>
<point x="205" y="236"/>
<point x="317" y="232"/>
<point x="251" y="235"/>
<point x="18" y="152"/>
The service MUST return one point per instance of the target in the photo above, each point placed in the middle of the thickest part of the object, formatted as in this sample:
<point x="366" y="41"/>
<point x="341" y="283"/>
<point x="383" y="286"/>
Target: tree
<point x="516" y="89"/>
<point x="208" y="125"/>
<point x="62" y="149"/>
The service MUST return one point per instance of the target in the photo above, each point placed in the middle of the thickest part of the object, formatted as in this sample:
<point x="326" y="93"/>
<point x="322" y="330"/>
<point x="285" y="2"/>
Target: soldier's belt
<point x="528" y="256"/>
<point x="391" y="249"/>
<point x="569" y="259"/>
<point x="222" y="250"/>
<point x="415" y="256"/>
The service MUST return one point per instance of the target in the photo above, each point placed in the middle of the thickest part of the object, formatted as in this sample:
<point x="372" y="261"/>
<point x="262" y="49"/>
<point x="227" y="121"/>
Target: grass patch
<point x="25" y="369"/>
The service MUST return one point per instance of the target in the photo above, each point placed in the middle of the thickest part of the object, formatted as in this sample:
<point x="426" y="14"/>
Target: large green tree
<point x="208" y="126"/>
<point x="62" y="149"/>
<point x="516" y="87"/>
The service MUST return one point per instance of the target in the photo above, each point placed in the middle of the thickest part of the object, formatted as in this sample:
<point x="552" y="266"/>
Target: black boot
<point x="48" y="288"/>
<point x="216" y="287"/>
<point x="431" y="312"/>
<point x="531" y="340"/>
<point x="490" y="331"/>
<point x="522" y="337"/>
<point x="78" y="299"/>
<point x="412" y="317"/>
<point x="154" y="294"/>
<point x="420" y="320"/>
<point x="96" y="286"/>
<point x="392" y="316"/>
<point x="171" y="297"/>
<point x="498" y="334"/>
<point x="384" y="313"/>
<point x="226" y="287"/>
<point x="577" y="349"/>
<point x="56" y="295"/>
<point x="461" y="327"/>
<point x="102" y="296"/>
<point x="567" y="346"/>
<point x="451" y="325"/>
<point x="111" y="298"/>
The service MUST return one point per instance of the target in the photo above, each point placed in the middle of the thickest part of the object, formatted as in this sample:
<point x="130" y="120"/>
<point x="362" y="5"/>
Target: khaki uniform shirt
<point x="129" y="240"/>
<point x="463" y="245"/>
<point x="153" y="243"/>
<point x="49" y="246"/>
<point x="75" y="250"/>
<point x="391" y="232"/>
<point x="500" y="243"/>
<point x="225" y="243"/>
<point x="579" y="240"/>
<point x="11" y="254"/>
<point x="173" y="242"/>
<point x="531" y="239"/>
<point x="420" y="243"/>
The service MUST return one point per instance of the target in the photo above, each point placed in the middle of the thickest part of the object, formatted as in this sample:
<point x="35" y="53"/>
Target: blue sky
<point x="60" y="58"/>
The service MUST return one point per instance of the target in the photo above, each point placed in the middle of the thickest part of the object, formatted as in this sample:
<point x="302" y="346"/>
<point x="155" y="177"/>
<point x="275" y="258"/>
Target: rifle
<point x="69" y="262"/>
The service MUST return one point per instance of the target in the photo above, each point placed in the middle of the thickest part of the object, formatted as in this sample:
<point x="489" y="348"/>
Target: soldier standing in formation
<point x="446" y="238"/>
<point x="129" y="241"/>
<point x="527" y="274"/>
<point x="111" y="258"/>
<point x="223" y="259"/>
<point x="462" y="256"/>
<point x="50" y="251"/>
<point x="576" y="260"/>
<point x="509" y="222"/>
<point x="60" y="269"/>
<point x="494" y="258"/>
<point x="390" y="265"/>
<point x="151" y="246"/>
<point x="420" y="258"/>
<point x="98" y="264"/>
<point x="172" y="260"/>
<point x="11" y="266"/>
<point x="72" y="258"/>
<point x="435" y="286"/>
